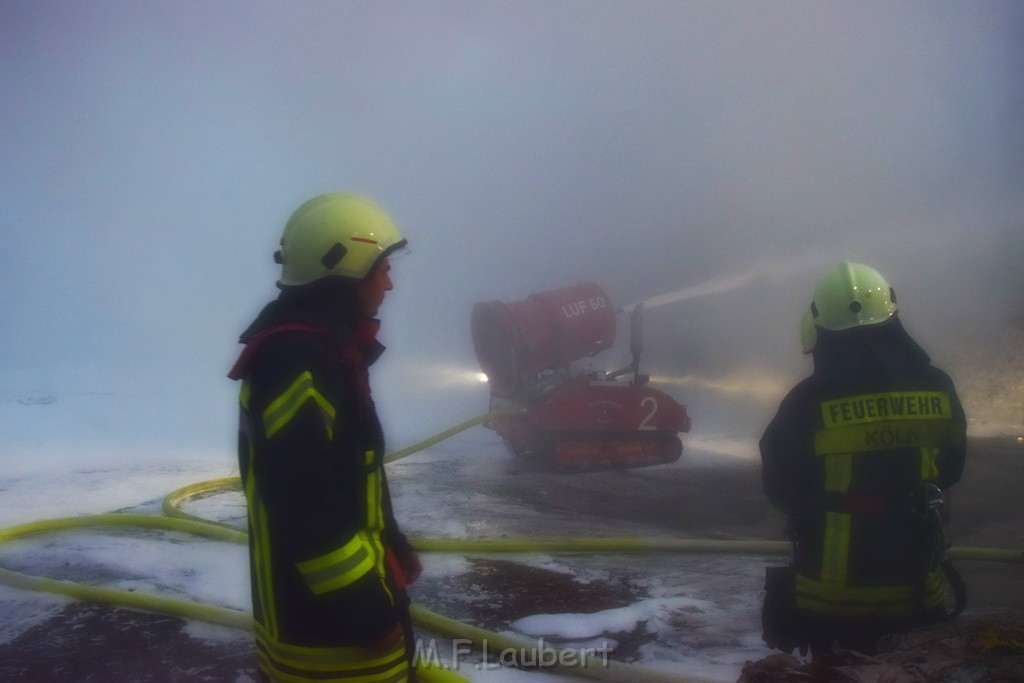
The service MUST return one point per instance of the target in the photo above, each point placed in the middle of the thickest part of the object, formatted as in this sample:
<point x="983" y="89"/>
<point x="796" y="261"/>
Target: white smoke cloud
<point x="150" y="153"/>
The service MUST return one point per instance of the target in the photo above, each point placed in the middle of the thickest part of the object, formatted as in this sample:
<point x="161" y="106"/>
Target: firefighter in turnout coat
<point x="328" y="563"/>
<point x="855" y="455"/>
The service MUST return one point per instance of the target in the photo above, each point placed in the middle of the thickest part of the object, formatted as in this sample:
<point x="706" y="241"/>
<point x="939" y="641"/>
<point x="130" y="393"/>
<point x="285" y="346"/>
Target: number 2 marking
<point x="653" y="402"/>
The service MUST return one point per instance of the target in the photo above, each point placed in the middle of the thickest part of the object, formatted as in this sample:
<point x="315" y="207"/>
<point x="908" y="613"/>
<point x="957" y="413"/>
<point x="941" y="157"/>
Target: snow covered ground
<point x="700" y="615"/>
<point x="697" y="614"/>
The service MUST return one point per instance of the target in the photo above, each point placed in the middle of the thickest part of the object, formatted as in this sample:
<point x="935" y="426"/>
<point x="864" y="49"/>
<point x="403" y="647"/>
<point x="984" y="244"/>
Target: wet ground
<point x="94" y="644"/>
<point x="91" y="643"/>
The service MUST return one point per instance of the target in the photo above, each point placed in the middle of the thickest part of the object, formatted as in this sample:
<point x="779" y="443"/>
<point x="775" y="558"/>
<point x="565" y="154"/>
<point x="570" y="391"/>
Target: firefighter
<point x="853" y="457"/>
<point x="327" y="561"/>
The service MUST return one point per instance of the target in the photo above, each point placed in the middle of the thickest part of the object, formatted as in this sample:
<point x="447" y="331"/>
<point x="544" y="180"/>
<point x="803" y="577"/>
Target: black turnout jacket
<point x="846" y="456"/>
<point x="323" y="540"/>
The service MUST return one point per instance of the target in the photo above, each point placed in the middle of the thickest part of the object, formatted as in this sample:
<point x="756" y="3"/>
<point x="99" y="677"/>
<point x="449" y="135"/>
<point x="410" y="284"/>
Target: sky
<point x="150" y="154"/>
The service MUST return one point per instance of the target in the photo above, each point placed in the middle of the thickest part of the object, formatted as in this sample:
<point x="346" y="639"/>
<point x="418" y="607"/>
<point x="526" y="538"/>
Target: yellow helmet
<point x="808" y="332"/>
<point x="852" y="295"/>
<point x="335" y="234"/>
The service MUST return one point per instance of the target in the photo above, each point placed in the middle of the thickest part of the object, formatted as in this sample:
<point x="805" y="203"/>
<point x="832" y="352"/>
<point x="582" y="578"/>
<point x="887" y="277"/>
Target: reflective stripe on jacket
<point x="283" y="662"/>
<point x="846" y="464"/>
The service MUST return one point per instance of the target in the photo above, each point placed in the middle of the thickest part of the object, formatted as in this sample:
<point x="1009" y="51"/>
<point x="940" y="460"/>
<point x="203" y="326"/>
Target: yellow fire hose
<point x="461" y="427"/>
<point x="211" y="614"/>
<point x="435" y="623"/>
<point x="178" y="521"/>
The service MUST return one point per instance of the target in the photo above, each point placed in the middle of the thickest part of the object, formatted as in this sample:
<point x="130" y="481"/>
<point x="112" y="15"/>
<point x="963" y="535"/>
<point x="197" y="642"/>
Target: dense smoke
<point x="152" y="152"/>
